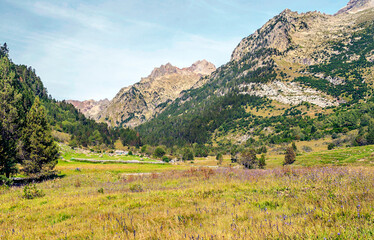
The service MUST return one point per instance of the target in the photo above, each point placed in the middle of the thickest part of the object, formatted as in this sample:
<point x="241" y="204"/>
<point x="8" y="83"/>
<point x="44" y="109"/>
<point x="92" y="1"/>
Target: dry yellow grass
<point x="226" y="203"/>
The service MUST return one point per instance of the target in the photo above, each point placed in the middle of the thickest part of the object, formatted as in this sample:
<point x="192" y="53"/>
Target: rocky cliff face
<point x="90" y="108"/>
<point x="140" y="102"/>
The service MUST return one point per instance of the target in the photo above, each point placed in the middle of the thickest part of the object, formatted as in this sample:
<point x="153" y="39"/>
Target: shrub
<point x="31" y="192"/>
<point x="331" y="146"/>
<point x="290" y="156"/>
<point x="143" y="149"/>
<point x="262" y="162"/>
<point x="262" y="149"/>
<point x="101" y="190"/>
<point x="165" y="159"/>
<point x="73" y="143"/>
<point x="187" y="154"/>
<point x="219" y="158"/>
<point x="130" y="153"/>
<point x="249" y="159"/>
<point x="159" y="152"/>
<point x="5" y="181"/>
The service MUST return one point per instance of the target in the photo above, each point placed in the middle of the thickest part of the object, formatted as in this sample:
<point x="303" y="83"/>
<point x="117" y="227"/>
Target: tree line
<point x="28" y="115"/>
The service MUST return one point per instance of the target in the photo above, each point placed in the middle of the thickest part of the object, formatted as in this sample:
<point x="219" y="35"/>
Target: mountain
<point x="140" y="102"/>
<point x="356" y="5"/>
<point x="301" y="76"/>
<point x="90" y="108"/>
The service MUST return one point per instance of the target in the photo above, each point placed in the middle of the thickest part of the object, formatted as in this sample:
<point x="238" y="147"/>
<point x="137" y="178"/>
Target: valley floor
<point x="133" y="201"/>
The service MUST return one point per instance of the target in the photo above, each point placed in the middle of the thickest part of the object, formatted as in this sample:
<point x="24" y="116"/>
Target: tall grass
<point x="199" y="203"/>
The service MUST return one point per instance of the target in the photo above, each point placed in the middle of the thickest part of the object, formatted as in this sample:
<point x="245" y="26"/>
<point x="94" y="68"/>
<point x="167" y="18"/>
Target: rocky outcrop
<point x="140" y="102"/>
<point x="288" y="93"/>
<point x="90" y="108"/>
<point x="274" y="34"/>
<point x="356" y="5"/>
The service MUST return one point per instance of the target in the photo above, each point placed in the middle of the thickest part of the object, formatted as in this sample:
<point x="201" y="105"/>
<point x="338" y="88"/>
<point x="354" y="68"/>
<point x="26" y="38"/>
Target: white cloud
<point x="82" y="52"/>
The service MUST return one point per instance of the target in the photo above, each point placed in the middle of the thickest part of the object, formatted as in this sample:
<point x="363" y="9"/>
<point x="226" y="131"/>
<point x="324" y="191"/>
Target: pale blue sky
<point x="91" y="49"/>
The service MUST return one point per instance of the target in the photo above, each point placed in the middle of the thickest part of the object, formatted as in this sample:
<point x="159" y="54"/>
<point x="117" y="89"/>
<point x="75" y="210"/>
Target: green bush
<point x="219" y="158"/>
<point x="331" y="146"/>
<point x="187" y="154"/>
<point x="159" y="152"/>
<point x="165" y="159"/>
<point x="290" y="156"/>
<point x="31" y="191"/>
<point x="262" y="161"/>
<point x="249" y="159"/>
<point x="5" y="181"/>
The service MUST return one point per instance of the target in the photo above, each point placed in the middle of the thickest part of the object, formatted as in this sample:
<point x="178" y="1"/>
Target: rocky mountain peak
<point x="90" y="108"/>
<point x="140" y="102"/>
<point x="273" y="35"/>
<point x="163" y="70"/>
<point x="202" y="67"/>
<point x="356" y="5"/>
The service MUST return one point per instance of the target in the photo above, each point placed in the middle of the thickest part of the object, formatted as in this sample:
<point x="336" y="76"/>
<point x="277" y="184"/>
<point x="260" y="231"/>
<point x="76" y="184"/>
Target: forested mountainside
<point x="62" y="116"/>
<point x="299" y="77"/>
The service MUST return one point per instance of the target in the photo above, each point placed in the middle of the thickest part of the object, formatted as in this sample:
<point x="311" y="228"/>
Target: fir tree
<point x="40" y="152"/>
<point x="9" y="119"/>
<point x="4" y="51"/>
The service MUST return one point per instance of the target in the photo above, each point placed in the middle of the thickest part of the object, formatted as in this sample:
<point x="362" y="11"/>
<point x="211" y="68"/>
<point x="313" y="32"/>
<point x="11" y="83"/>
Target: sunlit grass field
<point x="198" y="201"/>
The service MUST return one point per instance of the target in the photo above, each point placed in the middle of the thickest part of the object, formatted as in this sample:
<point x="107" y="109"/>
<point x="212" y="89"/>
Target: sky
<point x="91" y="49"/>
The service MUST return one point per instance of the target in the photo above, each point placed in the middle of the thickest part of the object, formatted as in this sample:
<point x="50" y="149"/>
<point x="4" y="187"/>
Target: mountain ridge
<point x="355" y="6"/>
<point x="308" y="63"/>
<point x="139" y="102"/>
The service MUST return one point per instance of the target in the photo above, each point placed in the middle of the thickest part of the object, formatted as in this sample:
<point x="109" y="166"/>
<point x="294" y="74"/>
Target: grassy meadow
<point x="312" y="200"/>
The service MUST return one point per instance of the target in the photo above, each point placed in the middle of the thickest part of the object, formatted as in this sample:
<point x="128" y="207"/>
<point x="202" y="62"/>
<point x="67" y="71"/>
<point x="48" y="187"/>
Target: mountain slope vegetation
<point x="317" y="67"/>
<point x="62" y="116"/>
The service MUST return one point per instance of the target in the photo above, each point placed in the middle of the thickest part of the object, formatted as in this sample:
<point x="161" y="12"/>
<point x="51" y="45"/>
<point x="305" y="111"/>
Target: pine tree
<point x="9" y="119"/>
<point x="4" y="51"/>
<point x="40" y="152"/>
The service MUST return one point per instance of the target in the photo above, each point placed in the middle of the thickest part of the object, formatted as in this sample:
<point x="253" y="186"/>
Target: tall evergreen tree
<point x="9" y="119"/>
<point x="40" y="152"/>
<point x="4" y="51"/>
